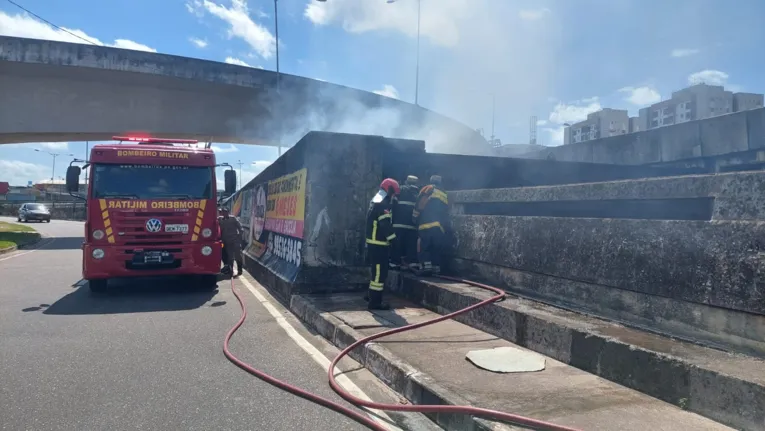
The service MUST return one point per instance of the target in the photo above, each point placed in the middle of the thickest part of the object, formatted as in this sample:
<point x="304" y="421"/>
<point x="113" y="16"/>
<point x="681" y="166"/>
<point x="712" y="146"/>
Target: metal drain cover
<point x="507" y="360"/>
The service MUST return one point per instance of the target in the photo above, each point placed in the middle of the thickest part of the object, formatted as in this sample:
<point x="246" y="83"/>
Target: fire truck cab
<point x="151" y="210"/>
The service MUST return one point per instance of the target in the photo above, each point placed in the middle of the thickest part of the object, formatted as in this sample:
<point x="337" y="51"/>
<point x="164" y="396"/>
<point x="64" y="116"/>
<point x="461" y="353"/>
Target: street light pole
<point x="87" y="157"/>
<point x="240" y="163"/>
<point x="417" y="70"/>
<point x="278" y="73"/>
<point x="417" y="66"/>
<point x="53" y="169"/>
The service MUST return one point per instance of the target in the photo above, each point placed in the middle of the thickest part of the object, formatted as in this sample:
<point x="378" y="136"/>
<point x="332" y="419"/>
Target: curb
<point x="16" y="247"/>
<point x="416" y="386"/>
<point x="7" y="250"/>
<point x="542" y="328"/>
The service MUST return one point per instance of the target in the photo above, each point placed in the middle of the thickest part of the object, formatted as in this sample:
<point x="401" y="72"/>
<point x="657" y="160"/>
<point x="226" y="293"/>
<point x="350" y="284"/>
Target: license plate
<point x="173" y="228"/>
<point x="155" y="256"/>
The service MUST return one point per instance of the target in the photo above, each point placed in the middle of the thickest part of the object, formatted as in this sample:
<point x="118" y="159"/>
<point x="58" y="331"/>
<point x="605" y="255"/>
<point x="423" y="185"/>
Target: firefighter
<point x="379" y="234"/>
<point x="404" y="251"/>
<point x="431" y="215"/>
<point x="223" y="255"/>
<point x="231" y="235"/>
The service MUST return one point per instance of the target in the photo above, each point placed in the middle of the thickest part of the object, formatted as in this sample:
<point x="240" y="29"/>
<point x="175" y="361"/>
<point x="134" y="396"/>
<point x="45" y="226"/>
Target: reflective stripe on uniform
<point x="391" y="237"/>
<point x="404" y="226"/>
<point x="377" y="274"/>
<point x="384" y="216"/>
<point x="441" y="196"/>
<point x="431" y="225"/>
<point x="373" y="285"/>
<point x="376" y="242"/>
<point x="406" y="203"/>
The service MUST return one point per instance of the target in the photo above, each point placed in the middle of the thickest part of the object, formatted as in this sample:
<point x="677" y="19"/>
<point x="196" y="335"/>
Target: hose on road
<point x="420" y="408"/>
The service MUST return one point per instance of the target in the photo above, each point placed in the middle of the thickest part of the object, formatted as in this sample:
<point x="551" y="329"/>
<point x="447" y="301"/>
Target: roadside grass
<point x="12" y="234"/>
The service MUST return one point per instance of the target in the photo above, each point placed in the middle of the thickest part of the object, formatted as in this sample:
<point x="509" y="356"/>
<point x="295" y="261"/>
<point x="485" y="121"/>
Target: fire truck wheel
<point x="208" y="281"/>
<point x="97" y="286"/>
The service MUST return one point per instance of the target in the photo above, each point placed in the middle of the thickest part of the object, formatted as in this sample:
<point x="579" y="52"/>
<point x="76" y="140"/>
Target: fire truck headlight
<point x="98" y="234"/>
<point x="98" y="253"/>
<point x="207" y="250"/>
<point x="206" y="232"/>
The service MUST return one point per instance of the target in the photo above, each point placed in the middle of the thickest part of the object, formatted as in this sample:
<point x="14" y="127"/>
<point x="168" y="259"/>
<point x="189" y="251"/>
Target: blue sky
<point x="555" y="59"/>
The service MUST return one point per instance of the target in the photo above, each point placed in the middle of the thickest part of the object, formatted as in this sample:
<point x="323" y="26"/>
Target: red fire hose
<point x="364" y="419"/>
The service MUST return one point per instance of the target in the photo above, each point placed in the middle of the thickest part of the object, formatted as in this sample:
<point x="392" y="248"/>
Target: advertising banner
<point x="277" y="222"/>
<point x="257" y="244"/>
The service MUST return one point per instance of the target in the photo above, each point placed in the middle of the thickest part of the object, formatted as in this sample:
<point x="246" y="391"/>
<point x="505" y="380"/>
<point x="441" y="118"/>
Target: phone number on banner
<point x="286" y="227"/>
<point x="286" y="249"/>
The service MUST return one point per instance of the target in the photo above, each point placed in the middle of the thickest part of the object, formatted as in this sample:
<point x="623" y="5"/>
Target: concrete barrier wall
<point x="344" y="171"/>
<point x="696" y="279"/>
<point x="703" y="139"/>
<point x="732" y="196"/>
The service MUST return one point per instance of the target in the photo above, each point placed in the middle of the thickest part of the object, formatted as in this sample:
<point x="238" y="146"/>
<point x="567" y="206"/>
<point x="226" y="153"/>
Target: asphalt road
<point x="145" y="356"/>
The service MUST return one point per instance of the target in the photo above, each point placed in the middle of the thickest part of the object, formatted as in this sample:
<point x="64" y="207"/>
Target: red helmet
<point x="390" y="186"/>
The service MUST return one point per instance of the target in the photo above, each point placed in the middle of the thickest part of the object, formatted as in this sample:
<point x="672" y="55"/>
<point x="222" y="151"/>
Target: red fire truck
<point x="151" y="210"/>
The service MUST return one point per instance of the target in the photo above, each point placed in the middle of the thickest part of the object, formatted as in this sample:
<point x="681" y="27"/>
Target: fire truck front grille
<point x="130" y="228"/>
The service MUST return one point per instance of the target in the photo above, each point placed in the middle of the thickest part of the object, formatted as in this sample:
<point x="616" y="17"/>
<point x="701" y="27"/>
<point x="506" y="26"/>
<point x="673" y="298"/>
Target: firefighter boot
<point x="376" y="302"/>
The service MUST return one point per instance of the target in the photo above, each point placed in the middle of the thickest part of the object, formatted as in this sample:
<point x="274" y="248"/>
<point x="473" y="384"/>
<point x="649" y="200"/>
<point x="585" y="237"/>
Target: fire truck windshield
<point x="151" y="182"/>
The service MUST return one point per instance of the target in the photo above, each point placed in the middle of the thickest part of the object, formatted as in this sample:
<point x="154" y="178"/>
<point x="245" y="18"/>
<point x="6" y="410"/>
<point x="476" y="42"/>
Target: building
<point x="747" y="101"/>
<point x="697" y="102"/>
<point x="601" y="124"/>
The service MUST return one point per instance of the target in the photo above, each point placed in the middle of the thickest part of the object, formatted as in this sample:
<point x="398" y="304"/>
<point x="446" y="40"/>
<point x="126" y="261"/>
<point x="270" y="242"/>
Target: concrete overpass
<point x="55" y="91"/>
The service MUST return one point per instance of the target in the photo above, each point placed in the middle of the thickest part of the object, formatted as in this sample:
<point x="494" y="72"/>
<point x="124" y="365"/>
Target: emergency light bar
<point x="154" y="140"/>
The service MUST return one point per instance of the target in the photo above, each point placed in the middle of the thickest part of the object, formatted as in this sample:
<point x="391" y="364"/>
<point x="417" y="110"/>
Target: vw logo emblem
<point x="153" y="225"/>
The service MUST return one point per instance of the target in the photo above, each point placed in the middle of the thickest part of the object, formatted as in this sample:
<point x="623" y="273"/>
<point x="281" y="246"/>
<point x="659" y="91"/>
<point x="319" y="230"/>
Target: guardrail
<point x="58" y="210"/>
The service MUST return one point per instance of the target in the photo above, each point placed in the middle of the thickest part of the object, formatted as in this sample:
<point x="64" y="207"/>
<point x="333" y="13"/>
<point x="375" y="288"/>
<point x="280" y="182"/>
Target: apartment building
<point x="747" y="101"/>
<point x="696" y="103"/>
<point x="601" y="124"/>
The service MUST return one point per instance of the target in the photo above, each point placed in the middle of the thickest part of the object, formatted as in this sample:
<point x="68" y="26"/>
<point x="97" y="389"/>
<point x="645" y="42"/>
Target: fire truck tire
<point x="97" y="286"/>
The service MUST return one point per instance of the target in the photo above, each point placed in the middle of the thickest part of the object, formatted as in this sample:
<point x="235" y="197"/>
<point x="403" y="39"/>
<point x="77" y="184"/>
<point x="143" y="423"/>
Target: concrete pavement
<point x="148" y="356"/>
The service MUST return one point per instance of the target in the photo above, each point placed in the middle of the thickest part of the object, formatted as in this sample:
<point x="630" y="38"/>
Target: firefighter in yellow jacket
<point x="431" y="215"/>
<point x="379" y="234"/>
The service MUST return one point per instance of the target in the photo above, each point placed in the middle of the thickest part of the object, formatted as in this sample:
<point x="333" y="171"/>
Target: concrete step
<point x="429" y="366"/>
<point x="728" y="388"/>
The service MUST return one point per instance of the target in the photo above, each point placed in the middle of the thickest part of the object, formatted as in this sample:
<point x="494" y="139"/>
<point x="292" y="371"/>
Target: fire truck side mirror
<point x="229" y="177"/>
<point x="73" y="179"/>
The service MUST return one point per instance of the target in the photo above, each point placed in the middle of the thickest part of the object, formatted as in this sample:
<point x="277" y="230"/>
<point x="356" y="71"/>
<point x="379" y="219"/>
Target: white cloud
<point x="129" y="44"/>
<point x="680" y="52"/>
<point x="574" y="112"/>
<point x="641" y="96"/>
<point x="18" y="173"/>
<point x="22" y="25"/>
<point x="710" y="77"/>
<point x="198" y="42"/>
<point x="533" y="14"/>
<point x="240" y="24"/>
<point x="238" y="62"/>
<point x="388" y="91"/>
<point x="230" y="149"/>
<point x="439" y="23"/>
<point x="541" y="122"/>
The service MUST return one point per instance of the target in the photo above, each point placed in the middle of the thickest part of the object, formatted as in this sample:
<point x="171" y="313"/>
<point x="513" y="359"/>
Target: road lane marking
<point x="317" y="356"/>
<point x="42" y="245"/>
